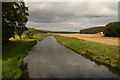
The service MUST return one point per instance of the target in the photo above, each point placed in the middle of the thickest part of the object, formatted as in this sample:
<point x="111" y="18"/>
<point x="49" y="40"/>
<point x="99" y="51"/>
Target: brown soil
<point x="95" y="38"/>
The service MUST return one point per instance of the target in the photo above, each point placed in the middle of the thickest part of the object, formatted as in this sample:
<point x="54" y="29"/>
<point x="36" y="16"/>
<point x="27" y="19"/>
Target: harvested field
<point x="95" y="38"/>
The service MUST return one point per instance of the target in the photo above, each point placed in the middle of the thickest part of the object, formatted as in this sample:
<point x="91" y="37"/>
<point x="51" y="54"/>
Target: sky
<point x="70" y="16"/>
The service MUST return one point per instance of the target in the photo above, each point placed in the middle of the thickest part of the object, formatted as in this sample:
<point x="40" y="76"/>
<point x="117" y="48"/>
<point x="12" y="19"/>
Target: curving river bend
<point x="49" y="59"/>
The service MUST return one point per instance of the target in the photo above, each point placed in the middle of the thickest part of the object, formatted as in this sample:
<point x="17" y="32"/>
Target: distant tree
<point x="92" y="30"/>
<point x="112" y="29"/>
<point x="13" y="18"/>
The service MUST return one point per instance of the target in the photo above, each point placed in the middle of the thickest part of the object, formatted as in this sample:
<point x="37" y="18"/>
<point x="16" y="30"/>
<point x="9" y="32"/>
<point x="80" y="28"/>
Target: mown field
<point x="103" y="53"/>
<point x="14" y="52"/>
<point x="95" y="38"/>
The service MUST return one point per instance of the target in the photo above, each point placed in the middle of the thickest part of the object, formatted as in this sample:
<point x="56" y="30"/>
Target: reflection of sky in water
<point x="50" y="59"/>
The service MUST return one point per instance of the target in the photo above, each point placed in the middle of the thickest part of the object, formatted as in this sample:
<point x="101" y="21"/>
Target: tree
<point x="22" y="11"/>
<point x="112" y="29"/>
<point x="13" y="18"/>
<point x="8" y="20"/>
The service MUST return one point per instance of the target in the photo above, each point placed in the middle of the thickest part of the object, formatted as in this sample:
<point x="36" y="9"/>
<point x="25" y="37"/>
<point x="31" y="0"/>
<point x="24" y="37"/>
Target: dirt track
<point x="95" y="38"/>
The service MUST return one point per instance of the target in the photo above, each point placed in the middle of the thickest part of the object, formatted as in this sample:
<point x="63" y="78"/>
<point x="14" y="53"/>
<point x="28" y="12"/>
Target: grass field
<point x="103" y="53"/>
<point x="13" y="54"/>
<point x="100" y="38"/>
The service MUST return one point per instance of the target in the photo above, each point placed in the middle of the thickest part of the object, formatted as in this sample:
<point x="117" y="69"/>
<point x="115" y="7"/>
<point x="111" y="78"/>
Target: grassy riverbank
<point x="13" y="54"/>
<point x="105" y="54"/>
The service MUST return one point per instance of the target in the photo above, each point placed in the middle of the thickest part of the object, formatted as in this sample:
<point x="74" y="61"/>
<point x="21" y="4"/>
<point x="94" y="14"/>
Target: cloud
<point x="82" y="14"/>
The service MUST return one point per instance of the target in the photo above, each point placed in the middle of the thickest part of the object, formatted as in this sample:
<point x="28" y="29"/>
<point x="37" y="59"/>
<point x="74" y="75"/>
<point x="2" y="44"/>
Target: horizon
<point x="66" y="30"/>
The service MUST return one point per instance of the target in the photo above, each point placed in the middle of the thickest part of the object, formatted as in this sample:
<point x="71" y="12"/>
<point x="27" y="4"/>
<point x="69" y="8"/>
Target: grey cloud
<point x="82" y="14"/>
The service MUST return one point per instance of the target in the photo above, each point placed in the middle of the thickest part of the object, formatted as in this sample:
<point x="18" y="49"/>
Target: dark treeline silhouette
<point x="93" y="30"/>
<point x="62" y="32"/>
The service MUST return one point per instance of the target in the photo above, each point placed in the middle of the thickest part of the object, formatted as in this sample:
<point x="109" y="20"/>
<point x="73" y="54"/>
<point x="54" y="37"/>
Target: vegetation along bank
<point x="102" y="53"/>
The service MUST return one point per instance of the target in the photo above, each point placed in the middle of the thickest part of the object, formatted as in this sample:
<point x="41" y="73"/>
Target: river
<point x="49" y="59"/>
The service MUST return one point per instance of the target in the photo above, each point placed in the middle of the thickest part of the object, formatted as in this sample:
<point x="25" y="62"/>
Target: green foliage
<point x="30" y="32"/>
<point x="13" y="17"/>
<point x="112" y="29"/>
<point x="20" y="30"/>
<point x="106" y="54"/>
<point x="8" y="21"/>
<point x="93" y="30"/>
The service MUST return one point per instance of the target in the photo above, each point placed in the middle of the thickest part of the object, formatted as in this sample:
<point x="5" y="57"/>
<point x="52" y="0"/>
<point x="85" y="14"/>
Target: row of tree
<point x="93" y="30"/>
<point x="14" y="18"/>
<point x="112" y="29"/>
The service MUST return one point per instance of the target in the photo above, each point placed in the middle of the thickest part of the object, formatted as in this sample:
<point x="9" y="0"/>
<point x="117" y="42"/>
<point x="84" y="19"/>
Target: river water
<point x="49" y="59"/>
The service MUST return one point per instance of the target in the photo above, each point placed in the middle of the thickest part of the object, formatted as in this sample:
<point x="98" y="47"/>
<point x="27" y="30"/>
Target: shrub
<point x="112" y="29"/>
<point x="30" y="32"/>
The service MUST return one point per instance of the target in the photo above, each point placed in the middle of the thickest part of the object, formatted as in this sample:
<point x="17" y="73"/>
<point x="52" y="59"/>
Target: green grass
<point x="105" y="54"/>
<point x="13" y="54"/>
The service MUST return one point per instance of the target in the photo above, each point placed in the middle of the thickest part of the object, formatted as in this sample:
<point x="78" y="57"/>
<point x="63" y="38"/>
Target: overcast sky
<point x="70" y="16"/>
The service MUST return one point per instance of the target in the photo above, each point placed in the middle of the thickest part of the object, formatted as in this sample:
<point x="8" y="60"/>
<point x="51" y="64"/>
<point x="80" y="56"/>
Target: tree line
<point x="112" y="29"/>
<point x="93" y="30"/>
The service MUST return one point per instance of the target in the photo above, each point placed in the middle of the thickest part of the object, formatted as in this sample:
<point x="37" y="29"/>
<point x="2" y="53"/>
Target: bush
<point x="112" y="29"/>
<point x="29" y="33"/>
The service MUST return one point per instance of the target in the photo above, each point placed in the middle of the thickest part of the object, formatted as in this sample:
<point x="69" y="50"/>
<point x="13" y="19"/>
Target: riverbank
<point x="102" y="53"/>
<point x="14" y="52"/>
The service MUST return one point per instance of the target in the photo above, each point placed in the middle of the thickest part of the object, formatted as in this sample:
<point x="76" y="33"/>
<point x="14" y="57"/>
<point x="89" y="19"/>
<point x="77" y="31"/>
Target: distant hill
<point x="92" y="30"/>
<point x="62" y="32"/>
